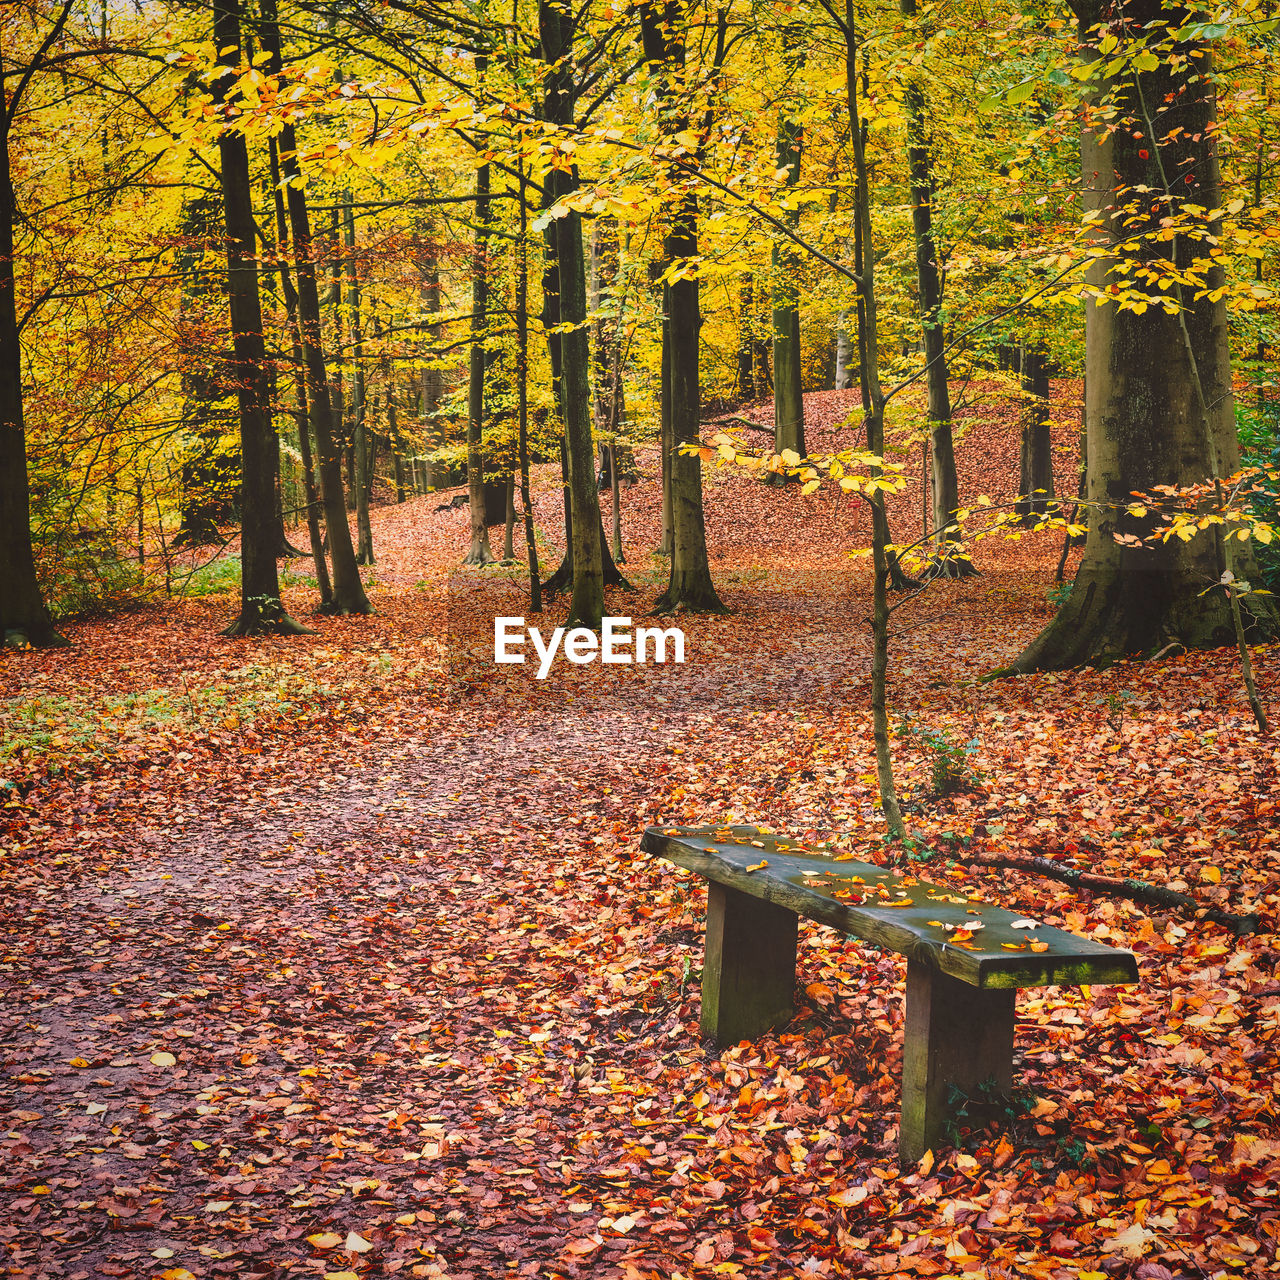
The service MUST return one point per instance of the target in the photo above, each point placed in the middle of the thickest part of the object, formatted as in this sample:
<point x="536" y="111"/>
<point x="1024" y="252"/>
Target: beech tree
<point x="260" y="608"/>
<point x="1158" y="399"/>
<point x="348" y="594"/>
<point x="24" y="616"/>
<point x="689" y="586"/>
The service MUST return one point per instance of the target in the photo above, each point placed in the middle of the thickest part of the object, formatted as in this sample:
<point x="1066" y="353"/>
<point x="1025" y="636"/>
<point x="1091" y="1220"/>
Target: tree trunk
<point x="846" y="356"/>
<point x="745" y="380"/>
<point x="873" y="401"/>
<point x="210" y="471"/>
<point x="618" y="556"/>
<point x="788" y="398"/>
<point x="1159" y="404"/>
<point x="479" y="552"/>
<point x="24" y="617"/>
<point x="665" y="439"/>
<point x="348" y="591"/>
<point x="690" y="587"/>
<point x="946" y="490"/>
<point x="430" y="380"/>
<point x="302" y="415"/>
<point x="260" y="608"/>
<point x="509" y="529"/>
<point x="522" y="394"/>
<point x="557" y="30"/>
<point x="1035" y="463"/>
<point x="359" y="409"/>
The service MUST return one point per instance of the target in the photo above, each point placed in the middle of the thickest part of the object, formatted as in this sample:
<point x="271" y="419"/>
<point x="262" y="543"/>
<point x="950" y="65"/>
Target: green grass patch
<point x="52" y="731"/>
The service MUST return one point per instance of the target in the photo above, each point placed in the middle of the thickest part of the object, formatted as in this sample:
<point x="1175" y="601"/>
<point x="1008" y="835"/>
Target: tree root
<point x="703" y="600"/>
<point x="952" y="568"/>
<point x="1149" y="895"/>
<point x="283" y="625"/>
<point x="899" y="579"/>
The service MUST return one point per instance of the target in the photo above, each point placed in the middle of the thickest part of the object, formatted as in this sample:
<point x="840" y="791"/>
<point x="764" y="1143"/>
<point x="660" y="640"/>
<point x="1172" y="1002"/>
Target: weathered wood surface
<point x="749" y="969"/>
<point x="955" y="1036"/>
<point x="898" y="912"/>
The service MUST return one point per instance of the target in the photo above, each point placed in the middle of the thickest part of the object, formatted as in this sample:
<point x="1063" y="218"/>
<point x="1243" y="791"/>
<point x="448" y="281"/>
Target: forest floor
<point x="337" y="956"/>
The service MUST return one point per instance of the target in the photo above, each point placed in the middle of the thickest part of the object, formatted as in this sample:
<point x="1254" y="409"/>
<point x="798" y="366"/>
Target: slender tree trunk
<point x="846" y="357"/>
<point x="260" y="607"/>
<point x="348" y="591"/>
<point x="618" y="556"/>
<point x="509" y="528"/>
<point x="302" y="414"/>
<point x="948" y="563"/>
<point x="1035" y="463"/>
<point x="873" y="401"/>
<point x="745" y="379"/>
<point x="788" y="398"/>
<point x="1159" y="405"/>
<point x="430" y="381"/>
<point x="605" y="251"/>
<point x="479" y="552"/>
<point x="359" y="408"/>
<point x="522" y="394"/>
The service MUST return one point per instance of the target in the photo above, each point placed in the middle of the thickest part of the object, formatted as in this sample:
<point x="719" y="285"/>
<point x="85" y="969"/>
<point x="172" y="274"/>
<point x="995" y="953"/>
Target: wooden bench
<point x="965" y="960"/>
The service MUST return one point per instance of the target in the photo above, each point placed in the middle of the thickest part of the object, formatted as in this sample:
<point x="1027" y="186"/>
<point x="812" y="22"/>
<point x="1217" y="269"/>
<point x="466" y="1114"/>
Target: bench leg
<point x="955" y="1035"/>
<point x="749" y="969"/>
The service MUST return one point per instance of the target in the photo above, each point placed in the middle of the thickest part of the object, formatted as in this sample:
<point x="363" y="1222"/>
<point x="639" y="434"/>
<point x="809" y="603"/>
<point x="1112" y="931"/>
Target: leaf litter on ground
<point x="336" y="955"/>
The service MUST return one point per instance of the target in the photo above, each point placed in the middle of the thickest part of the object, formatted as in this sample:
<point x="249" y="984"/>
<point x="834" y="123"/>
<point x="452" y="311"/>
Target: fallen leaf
<point x="1129" y="1243"/>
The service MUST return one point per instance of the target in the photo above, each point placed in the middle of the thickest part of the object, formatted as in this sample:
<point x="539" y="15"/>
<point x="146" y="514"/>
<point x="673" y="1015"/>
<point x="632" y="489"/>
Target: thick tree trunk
<point x="1159" y="404"/>
<point x="1035" y="458"/>
<point x="210" y="471"/>
<point x="557" y="31"/>
<point x="24" y="617"/>
<point x="260" y="607"/>
<point x="348" y="591"/>
<point x="665" y="438"/>
<point x="690" y="587"/>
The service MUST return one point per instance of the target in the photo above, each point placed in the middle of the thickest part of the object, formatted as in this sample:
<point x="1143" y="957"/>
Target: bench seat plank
<point x="900" y="913"/>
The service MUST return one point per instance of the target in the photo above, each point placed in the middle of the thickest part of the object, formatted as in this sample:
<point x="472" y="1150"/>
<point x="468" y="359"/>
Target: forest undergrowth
<point x="336" y="955"/>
